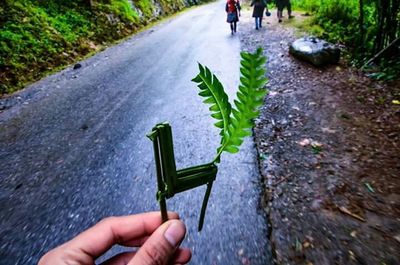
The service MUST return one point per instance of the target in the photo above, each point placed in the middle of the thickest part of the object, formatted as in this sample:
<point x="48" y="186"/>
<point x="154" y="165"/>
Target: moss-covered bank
<point x="38" y="36"/>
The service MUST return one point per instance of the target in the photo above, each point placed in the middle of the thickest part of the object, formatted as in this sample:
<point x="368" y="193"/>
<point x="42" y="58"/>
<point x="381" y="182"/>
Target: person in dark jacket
<point x="258" y="11"/>
<point x="281" y="4"/>
<point x="232" y="9"/>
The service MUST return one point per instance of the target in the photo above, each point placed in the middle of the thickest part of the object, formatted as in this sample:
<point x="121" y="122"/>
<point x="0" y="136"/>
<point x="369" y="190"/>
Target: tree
<point x="388" y="26"/>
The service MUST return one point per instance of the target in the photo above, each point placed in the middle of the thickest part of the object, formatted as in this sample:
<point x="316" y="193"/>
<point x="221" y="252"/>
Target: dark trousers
<point x="281" y="4"/>
<point x="258" y="21"/>
<point x="233" y="26"/>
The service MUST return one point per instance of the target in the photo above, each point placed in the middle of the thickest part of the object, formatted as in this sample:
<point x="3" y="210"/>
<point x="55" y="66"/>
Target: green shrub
<point x="145" y="6"/>
<point x="307" y="5"/>
<point x="71" y="25"/>
<point x="344" y="12"/>
<point x="121" y="8"/>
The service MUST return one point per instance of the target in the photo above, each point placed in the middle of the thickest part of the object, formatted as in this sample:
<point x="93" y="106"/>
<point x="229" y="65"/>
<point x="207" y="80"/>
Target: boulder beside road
<point x="316" y="51"/>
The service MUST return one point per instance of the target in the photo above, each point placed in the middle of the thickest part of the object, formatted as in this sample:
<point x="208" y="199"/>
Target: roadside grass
<point x="304" y="23"/>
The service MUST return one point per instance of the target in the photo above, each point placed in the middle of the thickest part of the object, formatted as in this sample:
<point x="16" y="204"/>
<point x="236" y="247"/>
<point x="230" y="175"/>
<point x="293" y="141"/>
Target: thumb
<point x="160" y="247"/>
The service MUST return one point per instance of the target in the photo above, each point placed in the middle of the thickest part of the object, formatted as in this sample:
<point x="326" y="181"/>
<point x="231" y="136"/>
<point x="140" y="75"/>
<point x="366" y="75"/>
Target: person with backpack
<point x="258" y="11"/>
<point x="232" y="9"/>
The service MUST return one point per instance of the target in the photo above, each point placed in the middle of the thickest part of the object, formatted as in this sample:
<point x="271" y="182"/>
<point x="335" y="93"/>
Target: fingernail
<point x="175" y="233"/>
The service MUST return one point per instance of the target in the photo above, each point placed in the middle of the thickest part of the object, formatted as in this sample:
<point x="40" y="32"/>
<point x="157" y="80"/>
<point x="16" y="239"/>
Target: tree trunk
<point x="379" y="30"/>
<point x="361" y="24"/>
<point x="394" y="20"/>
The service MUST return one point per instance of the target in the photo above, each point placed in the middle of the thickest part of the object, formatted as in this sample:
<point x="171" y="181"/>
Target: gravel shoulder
<point x="328" y="144"/>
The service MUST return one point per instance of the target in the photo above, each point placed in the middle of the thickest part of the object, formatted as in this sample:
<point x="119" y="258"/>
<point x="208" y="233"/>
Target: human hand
<point x="159" y="243"/>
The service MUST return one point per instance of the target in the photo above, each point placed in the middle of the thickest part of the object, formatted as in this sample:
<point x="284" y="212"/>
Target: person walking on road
<point x="258" y="11"/>
<point x="232" y="9"/>
<point x="281" y="4"/>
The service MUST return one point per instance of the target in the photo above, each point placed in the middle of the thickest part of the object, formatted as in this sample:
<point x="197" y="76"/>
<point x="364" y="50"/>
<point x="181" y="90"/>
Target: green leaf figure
<point x="235" y="123"/>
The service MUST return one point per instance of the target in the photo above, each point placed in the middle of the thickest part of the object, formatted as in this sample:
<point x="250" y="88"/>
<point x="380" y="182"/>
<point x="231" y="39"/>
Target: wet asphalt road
<point x="74" y="151"/>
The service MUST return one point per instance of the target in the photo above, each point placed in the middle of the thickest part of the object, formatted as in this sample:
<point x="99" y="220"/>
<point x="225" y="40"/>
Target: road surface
<point x="73" y="149"/>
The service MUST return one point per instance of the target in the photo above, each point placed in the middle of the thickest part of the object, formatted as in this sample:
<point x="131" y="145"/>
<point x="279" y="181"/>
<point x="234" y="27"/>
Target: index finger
<point x="116" y="230"/>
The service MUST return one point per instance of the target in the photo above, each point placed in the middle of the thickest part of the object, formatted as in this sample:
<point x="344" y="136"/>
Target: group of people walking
<point x="232" y="9"/>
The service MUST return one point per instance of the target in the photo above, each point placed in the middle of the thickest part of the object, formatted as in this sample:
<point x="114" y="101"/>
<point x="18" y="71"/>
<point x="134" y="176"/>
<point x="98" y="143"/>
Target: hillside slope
<point x="37" y="37"/>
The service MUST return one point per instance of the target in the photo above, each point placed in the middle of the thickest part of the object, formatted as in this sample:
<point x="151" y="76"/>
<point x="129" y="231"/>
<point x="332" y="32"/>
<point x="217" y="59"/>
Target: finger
<point x="135" y="242"/>
<point x="182" y="256"/>
<point x="120" y="259"/>
<point x="116" y="230"/>
<point x="161" y="245"/>
<point x="65" y="256"/>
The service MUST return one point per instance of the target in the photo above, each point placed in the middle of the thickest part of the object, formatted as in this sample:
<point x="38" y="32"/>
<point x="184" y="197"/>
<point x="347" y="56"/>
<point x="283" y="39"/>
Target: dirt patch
<point x="328" y="142"/>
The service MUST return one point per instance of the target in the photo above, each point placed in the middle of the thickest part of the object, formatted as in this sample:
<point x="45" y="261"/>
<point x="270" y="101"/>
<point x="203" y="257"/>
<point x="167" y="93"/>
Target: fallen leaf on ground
<point x="316" y="147"/>
<point x="352" y="256"/>
<point x="369" y="187"/>
<point x="263" y="156"/>
<point x="306" y="244"/>
<point x="346" y="211"/>
<point x="299" y="246"/>
<point x="316" y="144"/>
<point x="304" y="142"/>
<point x="327" y="130"/>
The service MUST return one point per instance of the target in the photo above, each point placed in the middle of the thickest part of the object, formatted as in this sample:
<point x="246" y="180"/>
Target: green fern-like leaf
<point x="212" y="89"/>
<point x="235" y="123"/>
<point x="249" y="98"/>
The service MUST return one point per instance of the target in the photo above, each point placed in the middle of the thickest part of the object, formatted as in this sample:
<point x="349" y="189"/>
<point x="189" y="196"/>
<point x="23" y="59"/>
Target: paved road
<point x="74" y="151"/>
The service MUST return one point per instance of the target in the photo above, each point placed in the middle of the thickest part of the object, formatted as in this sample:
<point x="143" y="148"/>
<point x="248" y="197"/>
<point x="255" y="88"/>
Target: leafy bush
<point x="71" y="25"/>
<point x="146" y="7"/>
<point x="120" y="8"/>
<point x="340" y="23"/>
<point x="307" y="5"/>
<point x="33" y="37"/>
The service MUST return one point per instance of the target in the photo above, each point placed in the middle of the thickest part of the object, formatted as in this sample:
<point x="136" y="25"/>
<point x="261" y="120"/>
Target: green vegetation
<point x="37" y="37"/>
<point x="235" y="123"/>
<point x="370" y="29"/>
<point x="121" y="9"/>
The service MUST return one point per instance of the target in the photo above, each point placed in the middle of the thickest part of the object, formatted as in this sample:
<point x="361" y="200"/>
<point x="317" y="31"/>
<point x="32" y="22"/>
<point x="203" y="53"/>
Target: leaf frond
<point x="235" y="123"/>
<point x="213" y="92"/>
<point x="249" y="98"/>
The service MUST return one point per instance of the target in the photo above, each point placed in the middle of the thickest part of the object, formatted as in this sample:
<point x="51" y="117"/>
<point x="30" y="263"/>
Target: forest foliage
<point x="39" y="36"/>
<point x="367" y="27"/>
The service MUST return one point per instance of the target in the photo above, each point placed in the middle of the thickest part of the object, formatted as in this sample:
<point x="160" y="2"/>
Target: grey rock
<point x="314" y="50"/>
